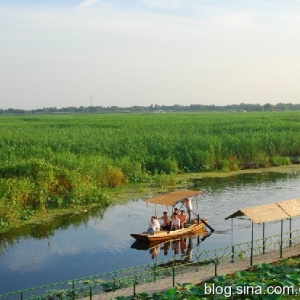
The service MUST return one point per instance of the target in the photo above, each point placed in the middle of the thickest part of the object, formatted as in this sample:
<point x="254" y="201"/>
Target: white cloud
<point x="166" y="4"/>
<point x="58" y="56"/>
<point x="86" y="3"/>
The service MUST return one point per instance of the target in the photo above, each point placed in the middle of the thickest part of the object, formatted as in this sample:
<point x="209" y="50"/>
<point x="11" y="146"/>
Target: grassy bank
<point x="136" y="191"/>
<point x="62" y="163"/>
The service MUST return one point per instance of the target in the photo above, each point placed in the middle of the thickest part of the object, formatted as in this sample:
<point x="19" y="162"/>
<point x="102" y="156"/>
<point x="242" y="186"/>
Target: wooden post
<point x="232" y="247"/>
<point x="281" y="239"/>
<point x="264" y="240"/>
<point x="251" y="258"/>
<point x="290" y="244"/>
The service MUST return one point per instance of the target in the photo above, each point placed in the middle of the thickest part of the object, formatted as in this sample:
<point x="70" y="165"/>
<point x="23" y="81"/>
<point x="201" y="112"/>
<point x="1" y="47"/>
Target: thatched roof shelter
<point x="291" y="207"/>
<point x="270" y="212"/>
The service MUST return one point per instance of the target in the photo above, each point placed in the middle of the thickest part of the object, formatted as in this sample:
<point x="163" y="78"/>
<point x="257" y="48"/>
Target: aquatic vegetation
<point x="49" y="161"/>
<point x="281" y="161"/>
<point x="264" y="281"/>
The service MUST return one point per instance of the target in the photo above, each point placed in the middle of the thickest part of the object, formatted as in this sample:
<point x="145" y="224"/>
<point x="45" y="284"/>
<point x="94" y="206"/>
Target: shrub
<point x="230" y="164"/>
<point x="129" y="167"/>
<point x="280" y="161"/>
<point x="165" y="179"/>
<point x="160" y="165"/>
<point x="114" y="177"/>
<point x="262" y="160"/>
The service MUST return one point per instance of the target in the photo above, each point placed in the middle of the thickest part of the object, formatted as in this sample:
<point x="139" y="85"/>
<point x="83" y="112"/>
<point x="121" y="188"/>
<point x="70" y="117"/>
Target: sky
<point x="60" y="53"/>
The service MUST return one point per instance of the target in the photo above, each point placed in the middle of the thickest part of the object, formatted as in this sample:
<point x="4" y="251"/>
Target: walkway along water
<point x="163" y="275"/>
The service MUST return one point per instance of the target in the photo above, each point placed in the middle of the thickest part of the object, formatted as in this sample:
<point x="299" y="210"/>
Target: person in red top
<point x="182" y="218"/>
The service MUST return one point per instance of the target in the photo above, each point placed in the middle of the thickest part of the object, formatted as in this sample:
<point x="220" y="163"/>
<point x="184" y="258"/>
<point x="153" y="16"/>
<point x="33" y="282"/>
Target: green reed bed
<point x="68" y="160"/>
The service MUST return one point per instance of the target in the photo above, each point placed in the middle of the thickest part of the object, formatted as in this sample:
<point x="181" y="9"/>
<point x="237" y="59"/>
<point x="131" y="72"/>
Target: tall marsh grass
<point x="58" y="161"/>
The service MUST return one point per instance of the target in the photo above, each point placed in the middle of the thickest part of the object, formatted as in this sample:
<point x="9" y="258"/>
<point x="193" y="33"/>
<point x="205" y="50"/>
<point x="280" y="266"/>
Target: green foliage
<point x="65" y="160"/>
<point x="3" y="224"/>
<point x="60" y="294"/>
<point x="229" y="164"/>
<point x="161" y="165"/>
<point x="38" y="185"/>
<point x="165" y="180"/>
<point x="281" y="161"/>
<point x="128" y="167"/>
<point x="26" y="214"/>
<point x="116" y="284"/>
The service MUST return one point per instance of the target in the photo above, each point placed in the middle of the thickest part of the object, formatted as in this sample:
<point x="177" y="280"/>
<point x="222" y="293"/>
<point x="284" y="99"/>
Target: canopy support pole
<point x="281" y="230"/>
<point x="232" y="246"/>
<point x="251" y="257"/>
<point x="290" y="243"/>
<point x="171" y="223"/>
<point x="264" y="240"/>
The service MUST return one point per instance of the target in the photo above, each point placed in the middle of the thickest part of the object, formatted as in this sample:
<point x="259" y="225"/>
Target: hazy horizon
<point x="143" y="52"/>
<point x="239" y="106"/>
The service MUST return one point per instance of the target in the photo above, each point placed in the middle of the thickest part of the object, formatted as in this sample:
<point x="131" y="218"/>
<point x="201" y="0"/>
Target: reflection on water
<point x="46" y="230"/>
<point x="217" y="184"/>
<point x="85" y="244"/>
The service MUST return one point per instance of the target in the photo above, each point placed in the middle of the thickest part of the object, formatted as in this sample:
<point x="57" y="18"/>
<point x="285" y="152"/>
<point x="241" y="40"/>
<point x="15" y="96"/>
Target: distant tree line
<point x="156" y="109"/>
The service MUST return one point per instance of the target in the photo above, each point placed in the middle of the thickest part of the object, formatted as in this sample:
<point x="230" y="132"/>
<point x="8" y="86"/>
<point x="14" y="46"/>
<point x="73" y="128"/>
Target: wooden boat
<point x="171" y="199"/>
<point x="148" y="245"/>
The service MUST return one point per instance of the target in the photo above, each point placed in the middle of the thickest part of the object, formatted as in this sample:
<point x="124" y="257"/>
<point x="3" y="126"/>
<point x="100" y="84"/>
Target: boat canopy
<point x="172" y="198"/>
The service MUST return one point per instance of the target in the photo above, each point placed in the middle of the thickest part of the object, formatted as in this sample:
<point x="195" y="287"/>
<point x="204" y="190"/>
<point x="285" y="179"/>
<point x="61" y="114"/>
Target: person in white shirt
<point x="154" y="225"/>
<point x="188" y="204"/>
<point x="175" y="222"/>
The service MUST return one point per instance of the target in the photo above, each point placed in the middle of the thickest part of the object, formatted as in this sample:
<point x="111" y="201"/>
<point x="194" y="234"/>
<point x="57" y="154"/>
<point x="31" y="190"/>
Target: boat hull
<point x="147" y="245"/>
<point x="165" y="235"/>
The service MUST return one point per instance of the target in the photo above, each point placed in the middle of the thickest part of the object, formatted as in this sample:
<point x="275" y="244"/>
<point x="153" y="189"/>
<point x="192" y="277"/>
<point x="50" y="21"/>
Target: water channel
<point x="80" y="245"/>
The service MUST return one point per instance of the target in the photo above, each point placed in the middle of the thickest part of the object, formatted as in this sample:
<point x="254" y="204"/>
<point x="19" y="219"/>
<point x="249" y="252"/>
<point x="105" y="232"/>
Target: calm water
<point x="82" y="245"/>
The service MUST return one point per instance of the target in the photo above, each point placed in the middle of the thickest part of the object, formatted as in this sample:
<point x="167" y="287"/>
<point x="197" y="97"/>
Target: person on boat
<point x="175" y="222"/>
<point x="154" y="225"/>
<point x="167" y="222"/>
<point x="176" y="211"/>
<point x="182" y="218"/>
<point x="188" y="204"/>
